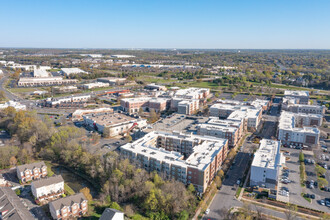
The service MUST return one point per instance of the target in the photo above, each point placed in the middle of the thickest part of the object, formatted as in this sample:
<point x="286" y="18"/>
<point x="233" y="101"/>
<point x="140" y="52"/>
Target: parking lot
<point x="294" y="187"/>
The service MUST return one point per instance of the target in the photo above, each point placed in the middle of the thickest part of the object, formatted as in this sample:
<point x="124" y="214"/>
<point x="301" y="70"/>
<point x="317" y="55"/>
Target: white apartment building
<point x="308" y="109"/>
<point x="188" y="107"/>
<point x="302" y="96"/>
<point x="158" y="151"/>
<point x="48" y="189"/>
<point x="298" y="129"/>
<point x="267" y="163"/>
<point x="192" y="93"/>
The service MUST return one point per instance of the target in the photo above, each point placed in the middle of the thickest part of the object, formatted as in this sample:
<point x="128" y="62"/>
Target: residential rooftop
<point x="268" y="154"/>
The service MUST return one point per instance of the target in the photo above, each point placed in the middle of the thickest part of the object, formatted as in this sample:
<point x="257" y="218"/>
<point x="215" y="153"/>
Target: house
<point x="29" y="172"/>
<point x="71" y="206"/>
<point x="112" y="214"/>
<point x="11" y="207"/>
<point x="3" y="182"/>
<point x="48" y="189"/>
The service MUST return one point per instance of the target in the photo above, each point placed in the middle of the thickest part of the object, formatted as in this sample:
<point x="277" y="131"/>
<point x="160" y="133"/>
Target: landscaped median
<point x="302" y="169"/>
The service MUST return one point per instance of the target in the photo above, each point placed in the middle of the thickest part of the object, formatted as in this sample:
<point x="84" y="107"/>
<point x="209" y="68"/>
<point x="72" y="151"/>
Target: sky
<point x="218" y="24"/>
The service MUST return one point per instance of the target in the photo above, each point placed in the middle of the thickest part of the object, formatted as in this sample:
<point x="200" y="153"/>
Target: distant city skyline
<point x="253" y="24"/>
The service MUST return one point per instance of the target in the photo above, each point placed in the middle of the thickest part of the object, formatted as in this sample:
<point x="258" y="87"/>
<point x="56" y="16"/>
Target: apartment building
<point x="192" y="93"/>
<point x="44" y="81"/>
<point x="112" y="214"/>
<point x="69" y="207"/>
<point x="11" y="206"/>
<point x="159" y="104"/>
<point x="267" y="163"/>
<point x="191" y="159"/>
<point x="33" y="171"/>
<point x="298" y="129"/>
<point x="302" y="96"/>
<point x="132" y="105"/>
<point x="113" y="123"/>
<point x="307" y="109"/>
<point x="188" y="107"/>
<point x="227" y="132"/>
<point x="48" y="189"/>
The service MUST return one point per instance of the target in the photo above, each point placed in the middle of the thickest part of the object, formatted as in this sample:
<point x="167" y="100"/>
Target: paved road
<point x="225" y="197"/>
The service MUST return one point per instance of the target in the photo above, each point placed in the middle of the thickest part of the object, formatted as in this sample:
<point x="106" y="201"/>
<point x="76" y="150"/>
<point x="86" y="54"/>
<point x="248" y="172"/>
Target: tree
<point x="291" y="211"/>
<point x="323" y="182"/>
<point x="128" y="138"/>
<point x="320" y="169"/>
<point x="191" y="188"/>
<point x="95" y="137"/>
<point x="153" y="117"/>
<point x="301" y="157"/>
<point x="2" y="96"/>
<point x="216" y="95"/>
<point x="218" y="181"/>
<point x="87" y="193"/>
<point x="116" y="206"/>
<point x="13" y="161"/>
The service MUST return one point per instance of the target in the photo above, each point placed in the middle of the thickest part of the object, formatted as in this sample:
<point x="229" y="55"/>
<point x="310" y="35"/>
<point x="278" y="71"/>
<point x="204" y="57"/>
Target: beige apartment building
<point x="29" y="172"/>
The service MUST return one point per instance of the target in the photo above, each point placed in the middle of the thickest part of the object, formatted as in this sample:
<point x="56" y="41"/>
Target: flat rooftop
<point x="296" y="93"/>
<point x="268" y="155"/>
<point x="110" y="119"/>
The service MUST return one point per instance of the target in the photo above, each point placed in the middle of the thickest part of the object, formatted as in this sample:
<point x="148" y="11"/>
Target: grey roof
<point x="108" y="214"/>
<point x="11" y="203"/>
<point x="68" y="201"/>
<point x="47" y="181"/>
<point x="31" y="166"/>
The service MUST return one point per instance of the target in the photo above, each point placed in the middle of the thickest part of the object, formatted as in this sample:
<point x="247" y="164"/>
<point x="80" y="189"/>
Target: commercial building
<point x="11" y="207"/>
<point x="48" y="189"/>
<point x="188" y="107"/>
<point x="122" y="56"/>
<point x="41" y="73"/>
<point x="78" y="114"/>
<point x="33" y="171"/>
<point x="302" y="96"/>
<point x="154" y="86"/>
<point x="16" y="105"/>
<point x="113" y="81"/>
<point x="71" y="206"/>
<point x="299" y="129"/>
<point x="133" y="105"/>
<point x="64" y="89"/>
<point x="113" y="124"/>
<point x="70" y="71"/>
<point x="44" y="81"/>
<point x="191" y="159"/>
<point x="267" y="163"/>
<point x="112" y="214"/>
<point x="73" y="101"/>
<point x="93" y="85"/>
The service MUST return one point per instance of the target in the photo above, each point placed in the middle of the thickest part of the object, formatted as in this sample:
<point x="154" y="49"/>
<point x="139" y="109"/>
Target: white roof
<point x="296" y="93"/>
<point x="268" y="155"/>
<point x="69" y="71"/>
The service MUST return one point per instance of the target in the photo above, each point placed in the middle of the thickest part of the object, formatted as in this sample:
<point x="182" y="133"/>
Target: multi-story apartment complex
<point x="48" y="189"/>
<point x="192" y="93"/>
<point x="78" y="114"/>
<point x="299" y="129"/>
<point x="33" y="171"/>
<point x="11" y="207"/>
<point x="302" y="96"/>
<point x="251" y="115"/>
<point x="299" y="108"/>
<point x="191" y="159"/>
<point x="69" y="207"/>
<point x="133" y="105"/>
<point x="236" y="123"/>
<point x="113" y="123"/>
<point x="267" y="163"/>
<point x="188" y="107"/>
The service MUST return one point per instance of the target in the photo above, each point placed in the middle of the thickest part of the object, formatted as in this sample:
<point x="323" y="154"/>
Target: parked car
<point x="322" y="202"/>
<point x="327" y="203"/>
<point x="207" y="211"/>
<point x="312" y="196"/>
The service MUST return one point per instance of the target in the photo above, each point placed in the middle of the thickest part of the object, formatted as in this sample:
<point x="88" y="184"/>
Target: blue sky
<point x="233" y="24"/>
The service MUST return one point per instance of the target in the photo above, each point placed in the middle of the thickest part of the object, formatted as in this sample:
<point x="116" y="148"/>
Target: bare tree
<point x="291" y="212"/>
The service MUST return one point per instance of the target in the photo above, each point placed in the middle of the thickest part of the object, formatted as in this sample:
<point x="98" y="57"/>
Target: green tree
<point x="301" y="157"/>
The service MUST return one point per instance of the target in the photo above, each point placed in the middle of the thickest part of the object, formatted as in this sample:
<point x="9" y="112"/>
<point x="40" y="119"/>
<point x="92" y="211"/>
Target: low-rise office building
<point x="267" y="163"/>
<point x="48" y="189"/>
<point x="78" y="114"/>
<point x="113" y="124"/>
<point x="11" y="206"/>
<point x="73" y="101"/>
<point x="154" y="86"/>
<point x="93" y="85"/>
<point x="165" y="154"/>
<point x="33" y="171"/>
<point x="302" y="96"/>
<point x="113" y="81"/>
<point x="44" y="81"/>
<point x="70" y="71"/>
<point x="298" y="129"/>
<point x="69" y="207"/>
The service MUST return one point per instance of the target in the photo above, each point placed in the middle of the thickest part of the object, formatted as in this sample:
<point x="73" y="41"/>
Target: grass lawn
<point x="210" y="85"/>
<point x="238" y="191"/>
<point x="68" y="190"/>
<point x="305" y="197"/>
<point x="20" y="90"/>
